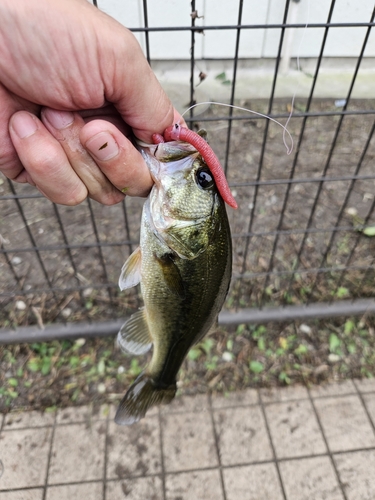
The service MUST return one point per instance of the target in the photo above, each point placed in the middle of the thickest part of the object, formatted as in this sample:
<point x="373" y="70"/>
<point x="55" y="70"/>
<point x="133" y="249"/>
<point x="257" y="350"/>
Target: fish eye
<point x="204" y="178"/>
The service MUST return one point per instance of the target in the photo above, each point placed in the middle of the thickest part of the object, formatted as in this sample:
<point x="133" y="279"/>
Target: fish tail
<point x="142" y="395"/>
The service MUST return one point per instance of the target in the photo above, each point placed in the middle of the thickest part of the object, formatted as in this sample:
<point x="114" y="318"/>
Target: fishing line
<point x="298" y="67"/>
<point x="288" y="148"/>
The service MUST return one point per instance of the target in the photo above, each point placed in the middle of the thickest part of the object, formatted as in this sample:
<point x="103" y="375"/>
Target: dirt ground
<point x="63" y="373"/>
<point x="272" y="206"/>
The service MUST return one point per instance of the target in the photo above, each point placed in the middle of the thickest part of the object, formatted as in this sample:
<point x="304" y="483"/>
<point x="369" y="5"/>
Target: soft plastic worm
<point x="178" y="133"/>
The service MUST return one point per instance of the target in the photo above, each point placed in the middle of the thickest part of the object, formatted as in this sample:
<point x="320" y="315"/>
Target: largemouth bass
<point x="184" y="265"/>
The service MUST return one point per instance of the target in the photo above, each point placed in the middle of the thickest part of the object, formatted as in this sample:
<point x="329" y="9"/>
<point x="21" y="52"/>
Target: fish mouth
<point x="167" y="159"/>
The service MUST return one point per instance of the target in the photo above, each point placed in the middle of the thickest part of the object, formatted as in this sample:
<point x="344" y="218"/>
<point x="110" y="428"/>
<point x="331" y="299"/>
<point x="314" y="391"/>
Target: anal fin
<point x="134" y="335"/>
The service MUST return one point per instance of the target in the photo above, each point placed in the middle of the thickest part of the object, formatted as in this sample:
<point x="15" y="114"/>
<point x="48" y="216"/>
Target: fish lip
<point x="152" y="163"/>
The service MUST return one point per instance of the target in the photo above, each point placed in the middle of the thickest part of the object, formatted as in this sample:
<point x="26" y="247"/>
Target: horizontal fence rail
<point x="304" y="233"/>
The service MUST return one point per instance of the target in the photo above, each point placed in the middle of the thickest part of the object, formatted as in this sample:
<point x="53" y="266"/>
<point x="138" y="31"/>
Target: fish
<point x="184" y="267"/>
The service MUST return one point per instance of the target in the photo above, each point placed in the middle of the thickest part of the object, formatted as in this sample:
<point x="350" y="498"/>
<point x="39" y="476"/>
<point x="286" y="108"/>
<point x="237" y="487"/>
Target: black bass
<point x="184" y="265"/>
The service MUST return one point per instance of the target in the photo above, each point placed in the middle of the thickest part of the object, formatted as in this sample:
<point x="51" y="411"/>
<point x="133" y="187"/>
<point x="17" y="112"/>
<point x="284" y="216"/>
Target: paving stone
<point x="150" y="488"/>
<point x="246" y="397"/>
<point x="310" y="478"/>
<point x="356" y="471"/>
<point x="189" y="445"/>
<point x="134" y="450"/>
<point x="183" y="445"/>
<point x="252" y="482"/>
<point x="25" y="419"/>
<point x="333" y="389"/>
<point x="24" y="456"/>
<point x="200" y="485"/>
<point x="365" y="385"/>
<point x="36" y="494"/>
<point x="182" y="404"/>
<point x="77" y="453"/>
<point x="75" y="415"/>
<point x="369" y="400"/>
<point x="280" y="394"/>
<point x="91" y="491"/>
<point x="345" y="423"/>
<point x="242" y="435"/>
<point x="294" y="429"/>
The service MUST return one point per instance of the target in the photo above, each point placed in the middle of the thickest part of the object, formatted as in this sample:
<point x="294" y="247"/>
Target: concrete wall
<point x="215" y="49"/>
<point x="259" y="43"/>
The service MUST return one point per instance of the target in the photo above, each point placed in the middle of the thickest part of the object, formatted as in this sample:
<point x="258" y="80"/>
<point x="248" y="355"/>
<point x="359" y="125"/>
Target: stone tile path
<point x="284" y="444"/>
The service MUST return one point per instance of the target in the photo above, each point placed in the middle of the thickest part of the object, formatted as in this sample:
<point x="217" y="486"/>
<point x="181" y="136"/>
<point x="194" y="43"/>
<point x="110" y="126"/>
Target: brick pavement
<point x="284" y="444"/>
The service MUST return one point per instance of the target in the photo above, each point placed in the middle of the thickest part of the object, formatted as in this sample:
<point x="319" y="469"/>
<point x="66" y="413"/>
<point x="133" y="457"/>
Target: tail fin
<point x="142" y="395"/>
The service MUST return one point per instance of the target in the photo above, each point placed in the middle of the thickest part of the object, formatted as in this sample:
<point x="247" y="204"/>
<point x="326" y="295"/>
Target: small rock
<point x="101" y="388"/>
<point x="16" y="261"/>
<point x="352" y="211"/>
<point x="333" y="358"/>
<point x="227" y="356"/>
<point x="66" y="312"/>
<point x="120" y="370"/>
<point x="87" y="292"/>
<point x="305" y="329"/>
<point x="340" y="103"/>
<point x="80" y="342"/>
<point x="20" y="305"/>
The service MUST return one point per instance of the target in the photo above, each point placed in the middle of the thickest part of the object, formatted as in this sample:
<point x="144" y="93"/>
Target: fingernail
<point x="24" y="125"/>
<point x="58" y="119"/>
<point x="103" y="146"/>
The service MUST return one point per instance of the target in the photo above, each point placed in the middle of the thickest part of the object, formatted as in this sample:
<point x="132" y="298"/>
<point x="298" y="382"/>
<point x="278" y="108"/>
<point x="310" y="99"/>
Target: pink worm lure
<point x="178" y="133"/>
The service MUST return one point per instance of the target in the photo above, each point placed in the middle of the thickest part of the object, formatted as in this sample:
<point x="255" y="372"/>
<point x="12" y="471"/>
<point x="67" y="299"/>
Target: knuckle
<point x="112" y="199"/>
<point x="75" y="197"/>
<point x="45" y="160"/>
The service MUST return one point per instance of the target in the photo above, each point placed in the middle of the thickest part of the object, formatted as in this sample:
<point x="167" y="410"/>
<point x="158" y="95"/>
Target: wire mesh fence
<point x="305" y="229"/>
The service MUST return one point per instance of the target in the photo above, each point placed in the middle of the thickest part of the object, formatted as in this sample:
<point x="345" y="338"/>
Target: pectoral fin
<point x="131" y="271"/>
<point x="171" y="274"/>
<point x="134" y="336"/>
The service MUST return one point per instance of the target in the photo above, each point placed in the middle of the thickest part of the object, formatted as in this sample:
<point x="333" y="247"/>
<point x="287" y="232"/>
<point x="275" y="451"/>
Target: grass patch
<point x="65" y="373"/>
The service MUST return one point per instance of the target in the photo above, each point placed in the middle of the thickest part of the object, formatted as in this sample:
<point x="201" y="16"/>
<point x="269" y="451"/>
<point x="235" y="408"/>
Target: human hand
<point x="67" y="55"/>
